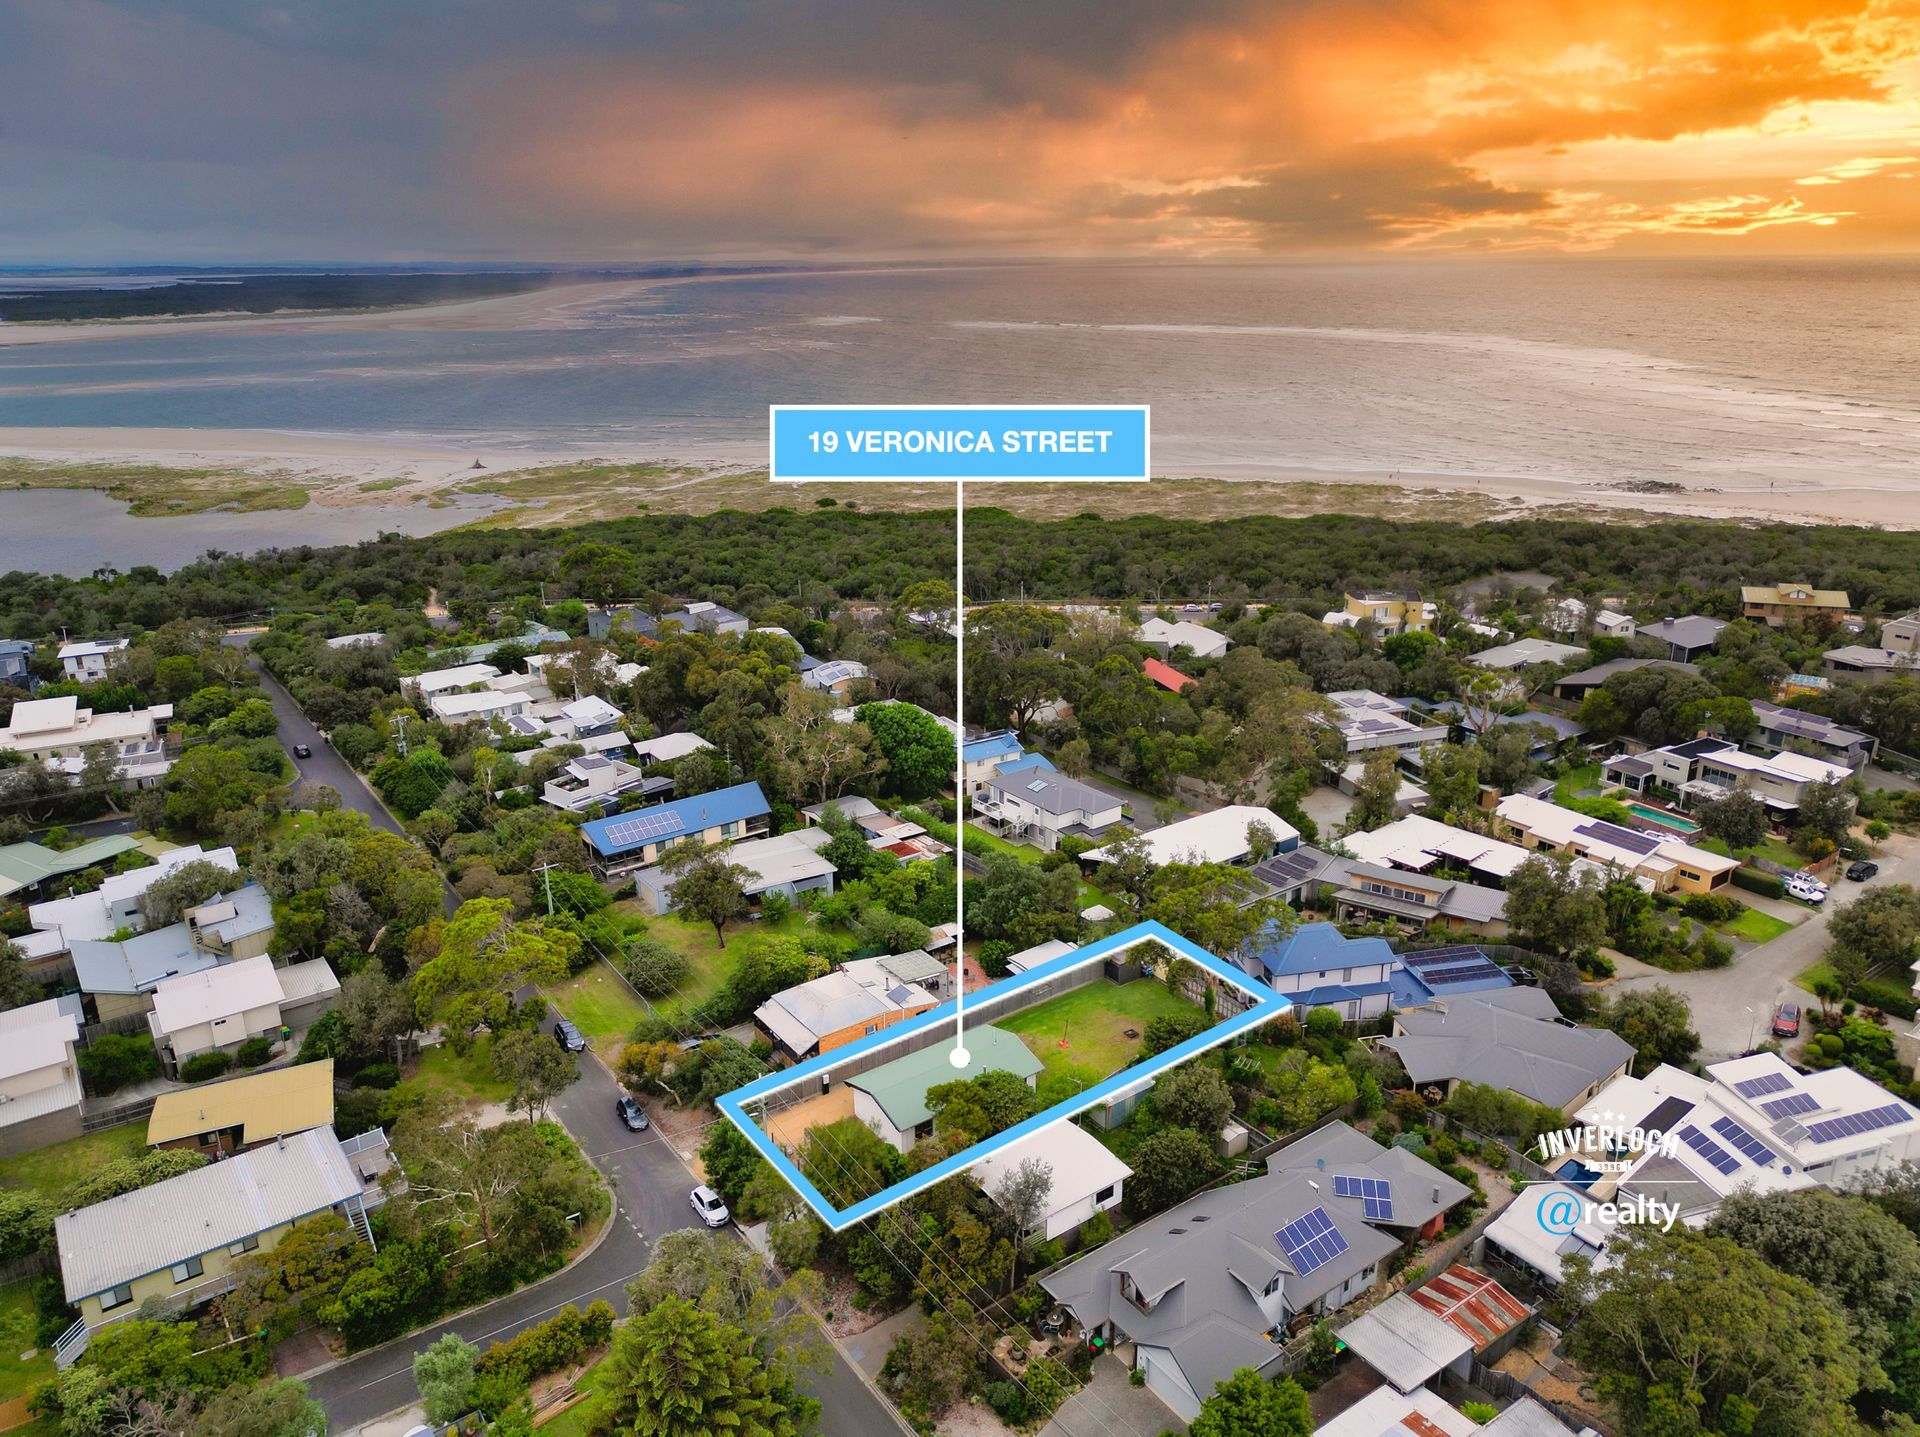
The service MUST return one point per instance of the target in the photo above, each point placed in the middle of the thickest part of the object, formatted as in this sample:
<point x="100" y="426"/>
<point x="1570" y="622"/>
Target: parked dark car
<point x="632" y="1114"/>
<point x="301" y="750"/>
<point x="569" y="1037"/>
<point x="1786" y="1021"/>
<point x="1862" y="870"/>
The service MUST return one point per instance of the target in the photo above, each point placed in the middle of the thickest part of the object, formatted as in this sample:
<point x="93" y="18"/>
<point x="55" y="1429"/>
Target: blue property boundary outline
<point x="1267" y="1006"/>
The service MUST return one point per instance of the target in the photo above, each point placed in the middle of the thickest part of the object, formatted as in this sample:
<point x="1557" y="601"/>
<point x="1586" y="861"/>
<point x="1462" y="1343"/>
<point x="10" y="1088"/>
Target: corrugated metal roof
<point x="900" y="1087"/>
<point x="1474" y="1303"/>
<point x="116" y="1241"/>
<point x="263" y="1105"/>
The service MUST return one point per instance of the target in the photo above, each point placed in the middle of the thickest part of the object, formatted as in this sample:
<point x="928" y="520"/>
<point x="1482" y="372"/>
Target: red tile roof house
<point x="1166" y="675"/>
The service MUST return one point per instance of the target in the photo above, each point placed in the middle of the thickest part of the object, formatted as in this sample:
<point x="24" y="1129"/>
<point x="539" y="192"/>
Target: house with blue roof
<point x="639" y="839"/>
<point x="981" y="758"/>
<point x="1318" y="966"/>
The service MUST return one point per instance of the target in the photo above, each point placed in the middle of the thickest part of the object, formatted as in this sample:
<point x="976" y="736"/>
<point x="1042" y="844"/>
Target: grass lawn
<point x="17" y="1377"/>
<point x="1572" y="783"/>
<point x="1755" y="927"/>
<point x="470" y="1078"/>
<point x="601" y="1006"/>
<point x="1773" y="849"/>
<point x="573" y="1422"/>
<point x="51" y="1171"/>
<point x="980" y="841"/>
<point x="709" y="965"/>
<point x="1094" y="1019"/>
<point x="1807" y="977"/>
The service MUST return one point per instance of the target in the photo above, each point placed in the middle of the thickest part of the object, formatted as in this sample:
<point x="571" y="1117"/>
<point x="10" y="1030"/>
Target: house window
<point x="730" y="830"/>
<point x="116" y="1297"/>
<point x="188" y="1270"/>
<point x="244" y="1246"/>
<point x="1273" y="1286"/>
<point x="1105" y="1195"/>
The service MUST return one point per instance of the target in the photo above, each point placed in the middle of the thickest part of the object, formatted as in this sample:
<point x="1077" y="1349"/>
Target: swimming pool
<point x="1665" y="820"/>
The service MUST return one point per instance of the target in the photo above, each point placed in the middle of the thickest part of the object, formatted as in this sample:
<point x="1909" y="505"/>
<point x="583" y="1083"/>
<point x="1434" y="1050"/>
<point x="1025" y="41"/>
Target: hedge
<point x="255" y="1051"/>
<point x="1755" y="881"/>
<point x="1887" y="997"/>
<point x="202" y="1066"/>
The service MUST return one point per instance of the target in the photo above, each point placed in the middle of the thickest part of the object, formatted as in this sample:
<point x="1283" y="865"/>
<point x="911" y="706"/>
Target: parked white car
<point x="710" y="1206"/>
<point x="1806" y="888"/>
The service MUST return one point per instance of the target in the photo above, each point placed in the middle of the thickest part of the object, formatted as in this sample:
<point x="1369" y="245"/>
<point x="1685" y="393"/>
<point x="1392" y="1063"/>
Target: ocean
<point x="1699" y="372"/>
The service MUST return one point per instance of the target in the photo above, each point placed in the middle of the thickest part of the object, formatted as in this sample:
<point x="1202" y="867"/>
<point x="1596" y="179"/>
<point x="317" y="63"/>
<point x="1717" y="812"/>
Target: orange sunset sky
<point x="862" y="128"/>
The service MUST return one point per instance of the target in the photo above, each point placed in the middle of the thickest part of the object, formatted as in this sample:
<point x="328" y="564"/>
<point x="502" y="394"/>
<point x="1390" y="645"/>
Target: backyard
<point x="978" y="840"/>
<point x="19" y="1375"/>
<point x="1775" y="850"/>
<point x="1087" y="1029"/>
<point x="49" y="1172"/>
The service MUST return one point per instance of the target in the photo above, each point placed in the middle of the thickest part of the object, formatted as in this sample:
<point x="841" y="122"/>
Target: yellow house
<point x="243" y="1113"/>
<point x="1389" y="613"/>
<point x="1668" y="865"/>
<point x="1776" y="604"/>
<point x="178" y="1241"/>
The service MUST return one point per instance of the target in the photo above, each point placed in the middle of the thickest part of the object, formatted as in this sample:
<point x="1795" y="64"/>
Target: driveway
<point x="1110" y="1404"/>
<point x="1732" y="1005"/>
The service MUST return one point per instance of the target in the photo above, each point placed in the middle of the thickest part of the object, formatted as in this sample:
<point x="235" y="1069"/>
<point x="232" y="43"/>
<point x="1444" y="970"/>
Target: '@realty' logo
<point x="1562" y="1213"/>
<point x="1606" y="1144"/>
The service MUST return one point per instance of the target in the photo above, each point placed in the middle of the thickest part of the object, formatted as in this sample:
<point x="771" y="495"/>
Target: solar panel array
<point x="1375" y="1194"/>
<point x="1833" y="1129"/>
<point x="1285" y="869"/>
<point x="1755" y="1151"/>
<point x="1721" y="1160"/>
<point x="1311" y="1242"/>
<point x="1791" y="1106"/>
<point x="1760" y="1087"/>
<point x="643" y="827"/>
<point x="1451" y="965"/>
<point x="1619" y="837"/>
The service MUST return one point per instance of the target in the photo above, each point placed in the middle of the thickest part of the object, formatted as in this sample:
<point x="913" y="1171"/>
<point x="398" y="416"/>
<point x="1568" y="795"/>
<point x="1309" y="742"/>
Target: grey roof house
<point x="1685" y="638"/>
<point x="1041" y="807"/>
<point x="1200" y="1289"/>
<point x="1513" y="1039"/>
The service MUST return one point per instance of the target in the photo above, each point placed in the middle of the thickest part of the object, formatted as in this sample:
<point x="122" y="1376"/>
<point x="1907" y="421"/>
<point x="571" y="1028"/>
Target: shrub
<point x="994" y="954"/>
<point x="1712" y="907"/>
<point x="1887" y="997"/>
<point x="655" y="968"/>
<point x="201" y="1066"/>
<point x="1096" y="1230"/>
<point x="255" y="1051"/>
<point x="1755" y="881"/>
<point x="377" y="1075"/>
<point x="115" y="1059"/>
<point x="1008" y="1402"/>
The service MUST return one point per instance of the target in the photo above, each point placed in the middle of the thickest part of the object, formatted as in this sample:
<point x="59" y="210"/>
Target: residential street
<point x="1733" y="1005"/>
<point x="650" y="1183"/>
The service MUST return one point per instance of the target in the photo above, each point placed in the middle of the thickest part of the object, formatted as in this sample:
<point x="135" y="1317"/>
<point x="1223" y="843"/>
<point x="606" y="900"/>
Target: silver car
<point x="707" y="1203"/>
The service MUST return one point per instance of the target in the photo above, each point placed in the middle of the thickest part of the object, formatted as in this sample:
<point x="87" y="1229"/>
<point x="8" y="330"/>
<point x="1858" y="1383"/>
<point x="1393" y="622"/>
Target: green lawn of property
<point x="601" y="1005"/>
<point x="1753" y="926"/>
<point x="1575" y="781"/>
<point x="51" y="1171"/>
<point x="469" y="1079"/>
<point x="1773" y="849"/>
<point x="709" y="965"/>
<point x="1093" y="1020"/>
<point x="980" y="841"/>
<point x="17" y="1321"/>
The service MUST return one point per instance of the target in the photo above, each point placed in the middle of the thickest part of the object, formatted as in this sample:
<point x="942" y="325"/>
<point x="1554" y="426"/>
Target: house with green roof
<point x="25" y="866"/>
<point x="892" y="1098"/>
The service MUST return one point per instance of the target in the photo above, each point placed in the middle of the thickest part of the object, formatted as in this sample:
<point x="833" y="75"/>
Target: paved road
<point x="651" y="1185"/>
<point x="1732" y="1005"/>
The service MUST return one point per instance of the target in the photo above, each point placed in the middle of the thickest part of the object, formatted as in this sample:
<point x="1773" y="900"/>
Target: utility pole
<point x="400" y="728"/>
<point x="544" y="870"/>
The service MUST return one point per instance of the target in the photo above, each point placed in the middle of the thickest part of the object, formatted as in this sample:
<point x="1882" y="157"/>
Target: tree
<point x="928" y="1366"/>
<point x="1216" y="905"/>
<point x="1880" y="927"/>
<point x="1554" y="903"/>
<point x="1826" y="811"/>
<point x="981" y="1106"/>
<point x="411" y="785"/>
<point x="1021" y="1195"/>
<point x="1247" y="1405"/>
<point x="1168" y="1166"/>
<point x="374" y="1011"/>
<point x="483" y="957"/>
<point x="1451" y="772"/>
<point x="653" y="967"/>
<point x="444" y="1374"/>
<point x="1302" y="1089"/>
<point x="504" y="1183"/>
<point x="707" y="887"/>
<point x="1739" y="820"/>
<point x="918" y="748"/>
<point x="1688" y="1333"/>
<point x="1023" y="902"/>
<point x="113" y="1060"/>
<point x="17" y="986"/>
<point x="1127" y="868"/>
<point x="813" y="755"/>
<point x="678" y="1371"/>
<point x="1657" y="1021"/>
<point x="847" y="1161"/>
<point x="188" y="886"/>
<point x="207" y="782"/>
<point x="26" y="1224"/>
<point x="1861" y="1259"/>
<point x="1378" y="792"/>
<point x="265" y="1409"/>
<point x="1193" y="1097"/>
<point x="1170" y="1030"/>
<point x="537" y="1068"/>
<point x="279" y="1288"/>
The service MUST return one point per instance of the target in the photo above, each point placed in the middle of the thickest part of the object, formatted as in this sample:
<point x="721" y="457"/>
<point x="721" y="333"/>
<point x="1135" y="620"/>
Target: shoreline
<point x="560" y="483"/>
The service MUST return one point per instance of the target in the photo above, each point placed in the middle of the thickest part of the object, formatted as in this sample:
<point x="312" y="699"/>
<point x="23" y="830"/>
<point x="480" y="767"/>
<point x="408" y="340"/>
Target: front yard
<point x="601" y="1006"/>
<point x="709" y="966"/>
<point x="469" y="1079"/>
<point x="1753" y="926"/>
<point x="1088" y="1028"/>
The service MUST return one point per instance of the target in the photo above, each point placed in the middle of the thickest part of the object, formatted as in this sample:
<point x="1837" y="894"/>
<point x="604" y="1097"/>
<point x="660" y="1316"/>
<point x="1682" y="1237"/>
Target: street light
<point x="1753" y="1019"/>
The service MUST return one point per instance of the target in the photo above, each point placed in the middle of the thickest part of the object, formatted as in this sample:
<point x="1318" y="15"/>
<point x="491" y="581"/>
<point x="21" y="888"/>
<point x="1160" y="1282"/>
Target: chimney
<point x="1436" y="1192"/>
<point x="280" y="1141"/>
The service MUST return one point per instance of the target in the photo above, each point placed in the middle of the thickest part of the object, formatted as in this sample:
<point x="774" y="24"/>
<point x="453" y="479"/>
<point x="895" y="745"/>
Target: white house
<point x="88" y="661"/>
<point x="39" y="1078"/>
<point x="666" y="748"/>
<point x="483" y="707"/>
<point x="590" y="779"/>
<point x="788" y="864"/>
<point x="63" y="736"/>
<point x="1042" y="807"/>
<point x="1197" y="639"/>
<point x="116" y="903"/>
<point x="442" y="681"/>
<point x="1367" y="721"/>
<point x="1216" y="837"/>
<point x="1704" y="769"/>
<point x="223" y="1006"/>
<point x="1086" y="1177"/>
